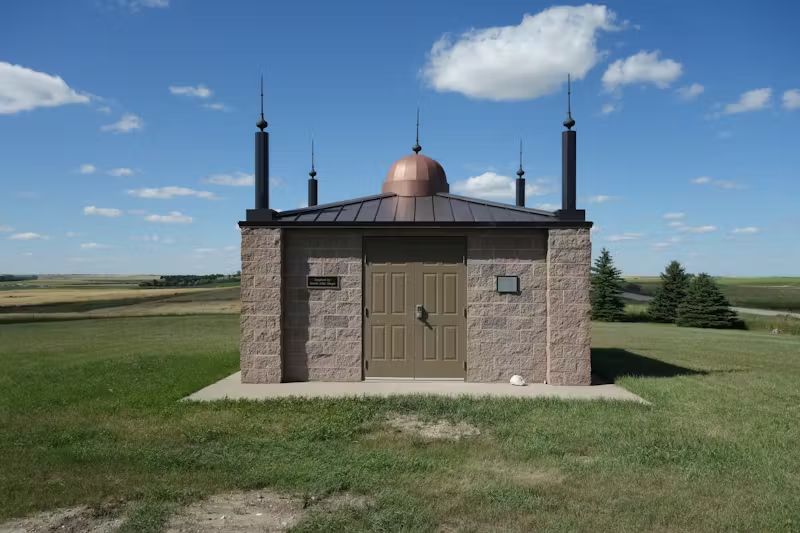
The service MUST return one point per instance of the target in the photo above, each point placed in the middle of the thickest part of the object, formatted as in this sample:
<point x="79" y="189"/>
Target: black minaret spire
<point x="416" y="146"/>
<point x="262" y="159"/>
<point x="312" y="180"/>
<point x="568" y="172"/>
<point x="520" y="180"/>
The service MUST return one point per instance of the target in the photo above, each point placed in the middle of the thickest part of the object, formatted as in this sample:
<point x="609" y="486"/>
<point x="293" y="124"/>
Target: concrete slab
<point x="232" y="388"/>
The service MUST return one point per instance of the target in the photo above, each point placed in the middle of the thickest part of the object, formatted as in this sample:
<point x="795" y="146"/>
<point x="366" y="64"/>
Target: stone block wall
<point x="507" y="333"/>
<point x="260" y="340"/>
<point x="569" y="254"/>
<point x="322" y="327"/>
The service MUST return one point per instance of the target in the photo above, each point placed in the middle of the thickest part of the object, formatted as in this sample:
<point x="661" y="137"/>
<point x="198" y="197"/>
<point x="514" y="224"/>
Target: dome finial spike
<point x="261" y="124"/>
<point x="313" y="172"/>
<point x="416" y="148"/>
<point x="569" y="122"/>
<point x="520" y="172"/>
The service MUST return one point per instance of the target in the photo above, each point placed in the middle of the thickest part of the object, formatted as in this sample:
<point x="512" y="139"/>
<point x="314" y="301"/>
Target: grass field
<point x="89" y="413"/>
<point x="780" y="293"/>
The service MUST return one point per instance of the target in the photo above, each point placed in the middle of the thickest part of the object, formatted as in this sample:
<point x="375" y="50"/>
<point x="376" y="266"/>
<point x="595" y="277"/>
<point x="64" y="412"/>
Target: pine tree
<point x="607" y="283"/>
<point x="705" y="306"/>
<point x="674" y="284"/>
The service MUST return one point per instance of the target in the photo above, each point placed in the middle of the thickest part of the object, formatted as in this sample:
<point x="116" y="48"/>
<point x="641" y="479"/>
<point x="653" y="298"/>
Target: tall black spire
<point x="520" y="184"/>
<point x="261" y="124"/>
<point x="416" y="146"/>
<point x="312" y="180"/>
<point x="569" y="122"/>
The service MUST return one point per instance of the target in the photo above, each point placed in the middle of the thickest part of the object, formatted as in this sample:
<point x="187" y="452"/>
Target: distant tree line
<point x="190" y="280"/>
<point x="13" y="277"/>
<point x="682" y="298"/>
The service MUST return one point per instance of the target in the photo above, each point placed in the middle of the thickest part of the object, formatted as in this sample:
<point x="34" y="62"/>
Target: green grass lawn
<point x="89" y="414"/>
<point x="780" y="293"/>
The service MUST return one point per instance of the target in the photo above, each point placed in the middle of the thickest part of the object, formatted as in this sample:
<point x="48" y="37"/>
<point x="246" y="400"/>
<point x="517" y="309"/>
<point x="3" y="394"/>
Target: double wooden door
<point x="414" y="316"/>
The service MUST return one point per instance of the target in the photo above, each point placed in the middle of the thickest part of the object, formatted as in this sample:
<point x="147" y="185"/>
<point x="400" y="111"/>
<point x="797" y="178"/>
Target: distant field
<point x="780" y="293"/>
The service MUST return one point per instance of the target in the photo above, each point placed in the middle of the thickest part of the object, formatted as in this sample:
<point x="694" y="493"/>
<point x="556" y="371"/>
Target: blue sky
<point x="126" y="126"/>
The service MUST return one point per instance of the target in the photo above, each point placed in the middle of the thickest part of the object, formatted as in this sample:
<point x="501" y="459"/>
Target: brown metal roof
<point x="440" y="209"/>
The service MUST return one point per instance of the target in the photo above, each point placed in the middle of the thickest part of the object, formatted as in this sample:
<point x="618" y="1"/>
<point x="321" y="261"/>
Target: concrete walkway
<point x="231" y="388"/>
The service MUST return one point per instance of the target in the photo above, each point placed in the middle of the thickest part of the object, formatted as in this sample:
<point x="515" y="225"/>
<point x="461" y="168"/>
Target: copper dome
<point x="415" y="175"/>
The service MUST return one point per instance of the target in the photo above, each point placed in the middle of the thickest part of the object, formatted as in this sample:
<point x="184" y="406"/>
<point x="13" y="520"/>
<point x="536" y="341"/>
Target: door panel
<point x="400" y="274"/>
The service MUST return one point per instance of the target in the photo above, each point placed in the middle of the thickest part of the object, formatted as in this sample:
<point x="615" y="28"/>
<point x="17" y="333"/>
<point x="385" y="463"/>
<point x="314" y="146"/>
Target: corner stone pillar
<point x="260" y="344"/>
<point x="569" y="324"/>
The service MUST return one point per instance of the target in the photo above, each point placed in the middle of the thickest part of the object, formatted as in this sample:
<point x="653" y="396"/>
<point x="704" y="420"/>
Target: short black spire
<point x="520" y="172"/>
<point x="569" y="122"/>
<point x="313" y="172"/>
<point x="261" y="124"/>
<point x="416" y="148"/>
<point x="520" y="182"/>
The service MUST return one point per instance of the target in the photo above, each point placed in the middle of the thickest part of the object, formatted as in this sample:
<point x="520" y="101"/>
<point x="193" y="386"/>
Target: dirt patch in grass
<point x="438" y="430"/>
<point x="255" y="511"/>
<point x="68" y="520"/>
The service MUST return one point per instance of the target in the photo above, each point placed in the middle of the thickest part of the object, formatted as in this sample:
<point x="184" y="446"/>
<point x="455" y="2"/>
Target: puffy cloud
<point x="87" y="168"/>
<point x="173" y="217"/>
<point x="643" y="67"/>
<point x="609" y="108"/>
<point x="690" y="92"/>
<point x="599" y="199"/>
<point x="750" y="101"/>
<point x="520" y="62"/>
<point x="120" y="172"/>
<point x="551" y="207"/>
<point x="493" y="186"/>
<point x="197" y="91"/>
<point x="627" y="236"/>
<point x="216" y="106"/>
<point x="674" y="216"/>
<point x="28" y="236"/>
<point x="236" y="179"/>
<point x="24" y="89"/>
<point x="747" y="230"/>
<point x="102" y="211"/>
<point x="92" y="246"/>
<point x="699" y="229"/>
<point x="127" y="123"/>
<point x="791" y="99"/>
<point x="165" y="193"/>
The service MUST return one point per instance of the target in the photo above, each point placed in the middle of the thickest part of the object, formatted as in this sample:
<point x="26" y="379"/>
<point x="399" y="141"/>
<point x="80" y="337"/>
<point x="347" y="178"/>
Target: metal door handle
<point x="420" y="312"/>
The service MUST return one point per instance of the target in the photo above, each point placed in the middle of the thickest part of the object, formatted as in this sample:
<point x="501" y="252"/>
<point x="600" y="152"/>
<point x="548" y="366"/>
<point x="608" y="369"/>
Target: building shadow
<point x="609" y="364"/>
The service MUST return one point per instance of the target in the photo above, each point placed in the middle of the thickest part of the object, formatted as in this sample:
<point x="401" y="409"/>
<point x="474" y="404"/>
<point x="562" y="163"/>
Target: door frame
<point x="461" y="240"/>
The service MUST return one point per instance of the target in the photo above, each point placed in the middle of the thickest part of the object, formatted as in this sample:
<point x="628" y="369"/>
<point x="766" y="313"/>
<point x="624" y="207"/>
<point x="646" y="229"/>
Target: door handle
<point x="420" y="312"/>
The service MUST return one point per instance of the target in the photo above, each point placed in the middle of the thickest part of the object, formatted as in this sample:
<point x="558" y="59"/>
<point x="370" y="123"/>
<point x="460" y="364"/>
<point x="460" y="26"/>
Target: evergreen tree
<point x="607" y="283"/>
<point x="705" y="306"/>
<point x="674" y="284"/>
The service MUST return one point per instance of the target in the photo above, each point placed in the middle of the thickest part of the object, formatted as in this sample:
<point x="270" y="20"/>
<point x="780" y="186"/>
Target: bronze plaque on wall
<point x="322" y="282"/>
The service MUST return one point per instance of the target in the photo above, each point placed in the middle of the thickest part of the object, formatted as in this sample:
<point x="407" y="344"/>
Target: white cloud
<point x="216" y="106"/>
<point x="92" y="246"/>
<point x="165" y="193"/>
<point x="549" y="207"/>
<point x="675" y="224"/>
<point x="127" y="123"/>
<point x="493" y="186"/>
<point x="121" y="172"/>
<point x="174" y="217"/>
<point x="599" y="199"/>
<point x="87" y="168"/>
<point x="155" y="238"/>
<point x="661" y="245"/>
<point x="104" y="109"/>
<point x="627" y="236"/>
<point x="750" y="101"/>
<point x="28" y="236"/>
<point x="690" y="92"/>
<point x="791" y="99"/>
<point x="197" y="91"/>
<point x="674" y="216"/>
<point x="71" y="234"/>
<point x="5" y="229"/>
<point x="722" y="184"/>
<point x="205" y="250"/>
<point x="609" y="108"/>
<point x="102" y="211"/>
<point x="23" y="89"/>
<point x="747" y="230"/>
<point x="237" y="179"/>
<point x="136" y="5"/>
<point x="643" y="67"/>
<point x="520" y="62"/>
<point x="596" y="229"/>
<point x="699" y="229"/>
